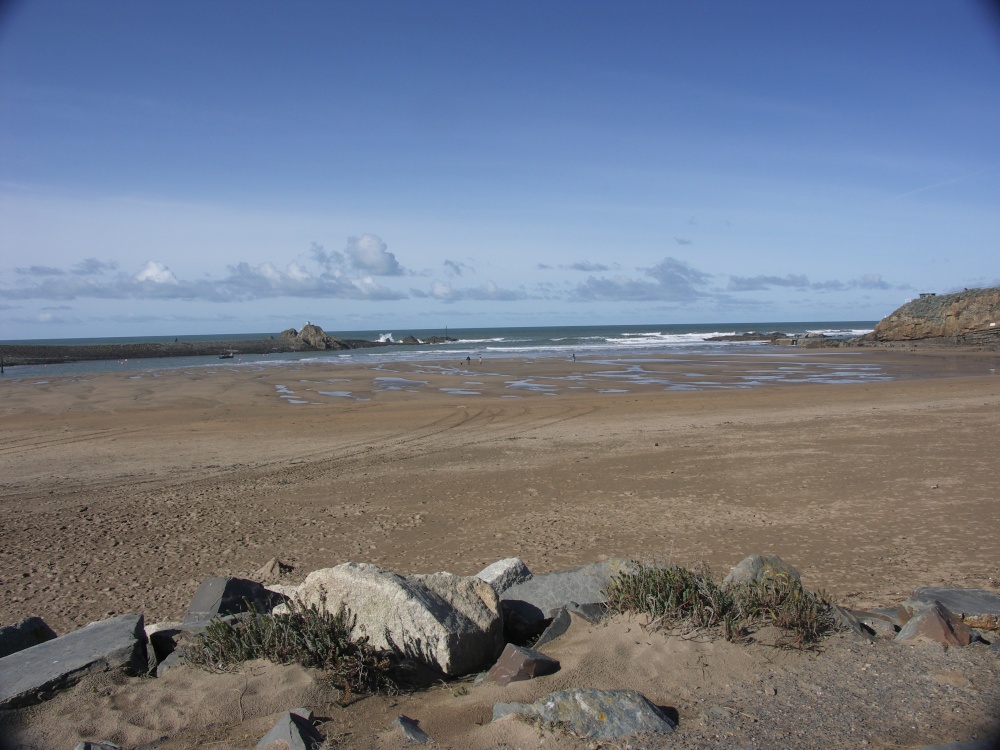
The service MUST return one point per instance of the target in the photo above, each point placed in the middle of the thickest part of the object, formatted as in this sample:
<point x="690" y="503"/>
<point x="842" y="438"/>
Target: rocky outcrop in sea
<point x="310" y="338"/>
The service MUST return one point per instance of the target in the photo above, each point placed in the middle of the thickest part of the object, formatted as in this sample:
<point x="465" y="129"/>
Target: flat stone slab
<point x="960" y="601"/>
<point x="517" y="664"/>
<point x="98" y="647"/>
<point x="601" y="714"/>
<point x="24" y="634"/>
<point x="531" y="602"/>
<point x="850" y="622"/>
<point x="219" y="595"/>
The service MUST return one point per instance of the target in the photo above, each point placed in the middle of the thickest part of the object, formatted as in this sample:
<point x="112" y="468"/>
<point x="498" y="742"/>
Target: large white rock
<point x="450" y="622"/>
<point x="505" y="573"/>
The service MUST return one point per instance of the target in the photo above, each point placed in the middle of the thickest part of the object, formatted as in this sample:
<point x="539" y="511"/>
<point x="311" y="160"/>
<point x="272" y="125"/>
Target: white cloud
<point x="755" y="283"/>
<point x="157" y="273"/>
<point x="670" y="280"/>
<point x="490" y="291"/>
<point x="369" y="253"/>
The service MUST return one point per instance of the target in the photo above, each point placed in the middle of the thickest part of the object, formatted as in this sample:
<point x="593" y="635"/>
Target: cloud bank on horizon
<point x="182" y="168"/>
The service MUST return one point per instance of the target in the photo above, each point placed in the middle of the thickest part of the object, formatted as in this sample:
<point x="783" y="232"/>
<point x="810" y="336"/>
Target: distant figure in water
<point x="468" y="360"/>
<point x="480" y="360"/>
<point x="574" y="356"/>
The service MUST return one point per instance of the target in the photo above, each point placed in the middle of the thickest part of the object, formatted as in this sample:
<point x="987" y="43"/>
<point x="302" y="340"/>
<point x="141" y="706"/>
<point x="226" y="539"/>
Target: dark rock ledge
<point x="310" y="338"/>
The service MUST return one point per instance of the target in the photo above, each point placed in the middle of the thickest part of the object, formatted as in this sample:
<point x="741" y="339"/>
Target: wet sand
<point x="121" y="492"/>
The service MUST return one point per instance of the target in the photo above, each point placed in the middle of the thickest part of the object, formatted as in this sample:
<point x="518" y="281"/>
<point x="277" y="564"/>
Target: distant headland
<point x="970" y="318"/>
<point x="310" y="338"/>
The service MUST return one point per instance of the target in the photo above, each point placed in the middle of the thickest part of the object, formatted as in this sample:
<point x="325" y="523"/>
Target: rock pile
<point x="454" y="625"/>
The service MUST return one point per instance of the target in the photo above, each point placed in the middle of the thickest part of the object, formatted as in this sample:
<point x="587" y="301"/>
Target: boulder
<point x="119" y="642"/>
<point x="980" y="608"/>
<point x="24" y="634"/>
<point x="601" y="714"/>
<point x="503" y="574"/>
<point x="293" y="730"/>
<point x="936" y="624"/>
<point x="316" y="338"/>
<point x="449" y="622"/>
<point x="219" y="596"/>
<point x="528" y="605"/>
<point x="517" y="664"/>
<point x="759" y="568"/>
<point x="411" y="731"/>
<point x="311" y="337"/>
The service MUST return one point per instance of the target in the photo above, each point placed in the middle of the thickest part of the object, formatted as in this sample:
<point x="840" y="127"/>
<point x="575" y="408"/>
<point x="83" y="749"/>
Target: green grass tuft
<point x="306" y="635"/>
<point x="679" y="599"/>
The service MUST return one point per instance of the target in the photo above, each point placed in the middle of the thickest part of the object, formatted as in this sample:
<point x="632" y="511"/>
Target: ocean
<point x="604" y="342"/>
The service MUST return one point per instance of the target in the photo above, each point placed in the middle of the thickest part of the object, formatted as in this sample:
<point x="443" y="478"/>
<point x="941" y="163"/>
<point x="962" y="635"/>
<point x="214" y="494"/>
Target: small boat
<point x="226" y="355"/>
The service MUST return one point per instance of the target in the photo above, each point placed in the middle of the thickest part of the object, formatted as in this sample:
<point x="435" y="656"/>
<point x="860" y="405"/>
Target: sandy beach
<point x="121" y="492"/>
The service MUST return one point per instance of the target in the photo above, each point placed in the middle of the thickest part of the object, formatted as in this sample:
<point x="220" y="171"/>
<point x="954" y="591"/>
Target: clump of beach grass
<point x="305" y="634"/>
<point x="687" y="602"/>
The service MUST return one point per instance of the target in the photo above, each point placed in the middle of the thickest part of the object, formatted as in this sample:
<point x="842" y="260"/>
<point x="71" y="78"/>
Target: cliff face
<point x="943" y="315"/>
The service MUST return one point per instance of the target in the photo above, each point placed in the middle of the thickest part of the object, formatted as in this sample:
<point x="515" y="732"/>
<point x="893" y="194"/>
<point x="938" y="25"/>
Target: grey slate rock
<point x="848" y="621"/>
<point x="995" y="648"/>
<point x="97" y="746"/>
<point x="98" y="647"/>
<point x="24" y="634"/>
<point x="881" y="625"/>
<point x="601" y="714"/>
<point x="295" y="729"/>
<point x="218" y="595"/>
<point x="898" y="616"/>
<point x="527" y="605"/>
<point x="959" y="601"/>
<point x="411" y="730"/>
<point x="170" y="644"/>
<point x="559" y="625"/>
<point x="591" y="612"/>
<point x="172" y="660"/>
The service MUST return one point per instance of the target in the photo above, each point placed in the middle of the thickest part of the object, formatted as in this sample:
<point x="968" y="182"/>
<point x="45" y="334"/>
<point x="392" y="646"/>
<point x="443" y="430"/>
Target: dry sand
<point x="122" y="491"/>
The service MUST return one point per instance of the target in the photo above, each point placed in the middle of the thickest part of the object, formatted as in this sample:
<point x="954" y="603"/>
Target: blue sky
<point x="189" y="167"/>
